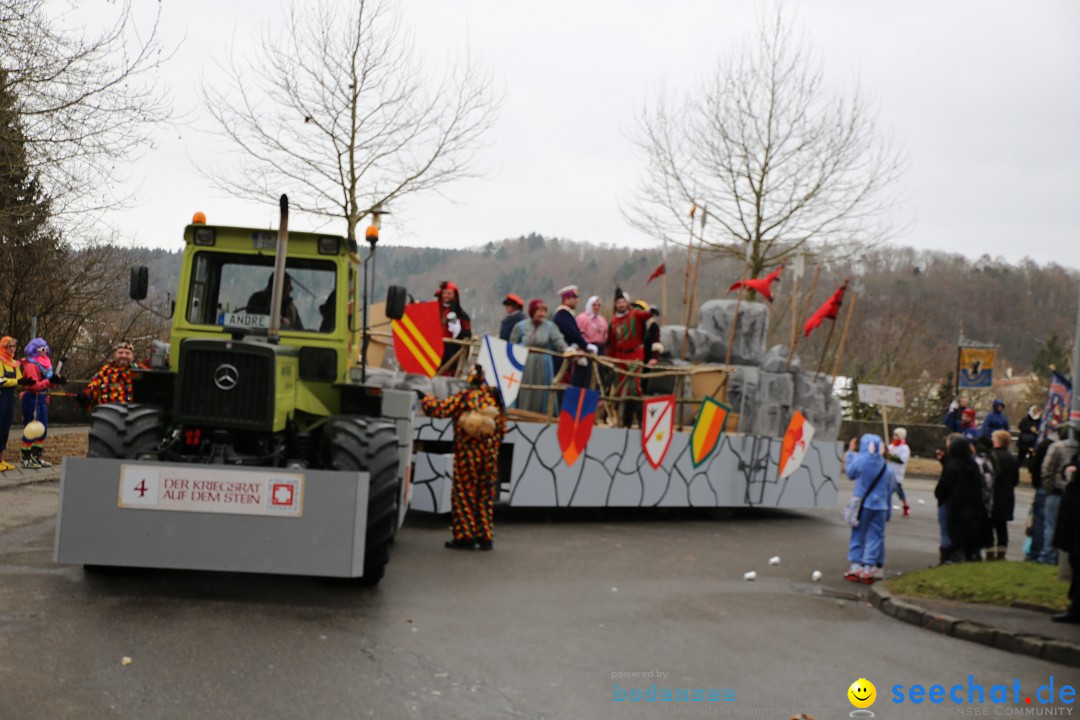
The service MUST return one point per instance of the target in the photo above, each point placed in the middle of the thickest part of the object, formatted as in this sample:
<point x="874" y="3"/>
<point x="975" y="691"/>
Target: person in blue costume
<point x="873" y="483"/>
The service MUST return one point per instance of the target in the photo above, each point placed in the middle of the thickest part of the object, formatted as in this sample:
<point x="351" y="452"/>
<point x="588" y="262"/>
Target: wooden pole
<point x="843" y="337"/>
<point x="686" y="288"/>
<point x="828" y="338"/>
<point x="794" y="315"/>
<point x="885" y="422"/>
<point x="734" y="322"/>
<point x="663" y="298"/>
<point x="805" y="313"/>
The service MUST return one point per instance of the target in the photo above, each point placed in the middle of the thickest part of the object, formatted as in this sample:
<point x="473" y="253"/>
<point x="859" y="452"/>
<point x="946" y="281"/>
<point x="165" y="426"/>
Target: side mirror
<point x="140" y="283"/>
<point x="396" y="297"/>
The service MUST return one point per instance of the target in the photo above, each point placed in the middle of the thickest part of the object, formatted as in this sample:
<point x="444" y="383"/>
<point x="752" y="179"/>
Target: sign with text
<point x="244" y="320"/>
<point x="881" y="395"/>
<point x="194" y="489"/>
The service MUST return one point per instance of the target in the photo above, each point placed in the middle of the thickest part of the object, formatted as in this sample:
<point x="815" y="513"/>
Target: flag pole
<point x="794" y="318"/>
<point x="686" y="285"/>
<point x="843" y="336"/>
<point x="806" y="312"/>
<point x="828" y="338"/>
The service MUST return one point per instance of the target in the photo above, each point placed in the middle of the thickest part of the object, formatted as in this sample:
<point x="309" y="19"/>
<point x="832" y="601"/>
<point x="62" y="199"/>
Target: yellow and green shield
<point x="709" y="426"/>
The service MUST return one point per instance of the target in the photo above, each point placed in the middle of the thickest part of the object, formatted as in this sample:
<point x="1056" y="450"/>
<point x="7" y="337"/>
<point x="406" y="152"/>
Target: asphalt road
<point x="535" y="629"/>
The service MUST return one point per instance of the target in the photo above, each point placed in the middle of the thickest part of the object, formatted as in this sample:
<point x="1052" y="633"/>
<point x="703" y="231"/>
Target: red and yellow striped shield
<point x="418" y="339"/>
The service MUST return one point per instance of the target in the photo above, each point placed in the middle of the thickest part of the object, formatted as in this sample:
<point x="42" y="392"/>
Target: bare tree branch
<point x="782" y="165"/>
<point x="337" y="109"/>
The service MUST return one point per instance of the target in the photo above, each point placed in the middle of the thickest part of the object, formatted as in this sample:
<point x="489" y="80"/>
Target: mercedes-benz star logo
<point x="226" y="376"/>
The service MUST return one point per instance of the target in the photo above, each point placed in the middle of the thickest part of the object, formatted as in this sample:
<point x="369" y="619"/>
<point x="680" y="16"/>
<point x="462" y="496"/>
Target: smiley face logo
<point x="862" y="693"/>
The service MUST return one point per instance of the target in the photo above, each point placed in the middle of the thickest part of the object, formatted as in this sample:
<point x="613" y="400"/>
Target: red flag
<point x="657" y="273"/>
<point x="762" y="286"/>
<point x="829" y="310"/>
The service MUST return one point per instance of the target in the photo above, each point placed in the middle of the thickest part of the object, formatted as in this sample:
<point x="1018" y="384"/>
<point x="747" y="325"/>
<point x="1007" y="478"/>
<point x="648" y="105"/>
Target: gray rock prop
<point x="775" y="396"/>
<point x="715" y="318"/>
<point x="440" y="387"/>
<point x="775" y="360"/>
<point x="697" y="343"/>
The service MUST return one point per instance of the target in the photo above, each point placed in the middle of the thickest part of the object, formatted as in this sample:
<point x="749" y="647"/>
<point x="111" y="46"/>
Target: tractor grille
<point x="204" y="396"/>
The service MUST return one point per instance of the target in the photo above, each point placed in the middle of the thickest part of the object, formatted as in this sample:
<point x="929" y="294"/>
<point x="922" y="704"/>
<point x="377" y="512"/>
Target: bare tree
<point x="780" y="164"/>
<point x="337" y="109"/>
<point x="86" y="102"/>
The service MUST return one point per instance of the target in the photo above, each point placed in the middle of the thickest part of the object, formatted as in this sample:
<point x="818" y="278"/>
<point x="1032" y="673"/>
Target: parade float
<point x="735" y="424"/>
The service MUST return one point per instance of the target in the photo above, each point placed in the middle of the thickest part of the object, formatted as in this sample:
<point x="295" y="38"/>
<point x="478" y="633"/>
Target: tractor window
<point x="235" y="289"/>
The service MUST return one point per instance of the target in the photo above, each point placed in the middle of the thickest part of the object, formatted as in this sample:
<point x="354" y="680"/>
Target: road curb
<point x="1058" y="651"/>
<point x="19" y="477"/>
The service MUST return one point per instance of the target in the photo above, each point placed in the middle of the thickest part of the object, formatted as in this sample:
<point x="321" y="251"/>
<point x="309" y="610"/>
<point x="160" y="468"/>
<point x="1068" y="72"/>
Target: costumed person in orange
<point x="112" y="383"/>
<point x="12" y="374"/>
<point x="479" y="426"/>
<point x="455" y="323"/>
<point x="38" y="377"/>
<point x="626" y="343"/>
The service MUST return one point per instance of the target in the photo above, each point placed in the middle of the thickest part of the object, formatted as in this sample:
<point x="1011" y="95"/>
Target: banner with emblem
<point x="576" y="421"/>
<point x="1056" y="409"/>
<point x="976" y="366"/>
<point x="708" y="427"/>
<point x="418" y="338"/>
<point x="657" y="427"/>
<point x="504" y="366"/>
<point x="796" y="442"/>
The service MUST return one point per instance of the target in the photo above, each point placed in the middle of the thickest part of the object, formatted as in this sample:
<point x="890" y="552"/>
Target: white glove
<point x="954" y="405"/>
<point x="592" y="348"/>
<point x="583" y="361"/>
<point x="573" y="346"/>
<point x="657" y="348"/>
<point x="454" y="326"/>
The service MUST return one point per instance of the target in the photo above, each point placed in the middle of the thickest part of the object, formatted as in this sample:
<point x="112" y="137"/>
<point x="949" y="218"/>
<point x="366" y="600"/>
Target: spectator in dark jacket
<point x="515" y="313"/>
<point x="954" y="417"/>
<point x="564" y="320"/>
<point x="960" y="489"/>
<point x="1029" y="434"/>
<point x="995" y="419"/>
<point x="1005" y="482"/>
<point x="1038" y="503"/>
<point x="1067" y="538"/>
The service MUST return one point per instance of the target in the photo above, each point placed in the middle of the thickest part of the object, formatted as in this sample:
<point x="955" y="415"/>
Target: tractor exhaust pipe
<point x="276" y="296"/>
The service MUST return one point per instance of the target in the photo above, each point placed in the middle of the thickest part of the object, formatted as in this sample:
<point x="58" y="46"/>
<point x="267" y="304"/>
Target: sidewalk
<point x="1028" y="632"/>
<point x="21" y="476"/>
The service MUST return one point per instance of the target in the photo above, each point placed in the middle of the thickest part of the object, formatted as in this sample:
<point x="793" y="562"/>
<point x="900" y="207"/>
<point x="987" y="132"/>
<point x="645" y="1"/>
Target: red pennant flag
<point x="657" y="273"/>
<point x="829" y="310"/>
<point x="762" y="286"/>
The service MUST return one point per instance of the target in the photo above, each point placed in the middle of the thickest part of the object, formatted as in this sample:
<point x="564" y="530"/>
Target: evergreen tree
<point x="24" y="213"/>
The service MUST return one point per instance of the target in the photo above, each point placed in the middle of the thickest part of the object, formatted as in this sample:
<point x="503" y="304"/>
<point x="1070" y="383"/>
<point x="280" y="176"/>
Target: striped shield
<point x="418" y="338"/>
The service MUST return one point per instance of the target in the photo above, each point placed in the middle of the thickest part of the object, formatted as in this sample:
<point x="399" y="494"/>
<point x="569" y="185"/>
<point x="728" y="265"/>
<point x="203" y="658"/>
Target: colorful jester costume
<point x="112" y="383"/>
<point x="479" y="426"/>
<point x="38" y="377"/>
<point x="11" y="373"/>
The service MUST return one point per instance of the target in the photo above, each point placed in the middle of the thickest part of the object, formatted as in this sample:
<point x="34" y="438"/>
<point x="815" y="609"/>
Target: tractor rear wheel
<point x="124" y="431"/>
<point x="361" y="444"/>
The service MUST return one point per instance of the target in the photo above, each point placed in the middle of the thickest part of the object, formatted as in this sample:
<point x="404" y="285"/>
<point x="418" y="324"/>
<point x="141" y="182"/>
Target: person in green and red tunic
<point x="626" y="343"/>
<point x="479" y="426"/>
<point x="112" y="383"/>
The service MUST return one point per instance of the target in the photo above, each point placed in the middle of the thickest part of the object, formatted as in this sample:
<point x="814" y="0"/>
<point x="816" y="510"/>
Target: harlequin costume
<point x="38" y="377"/>
<point x="626" y="343"/>
<point x="479" y="426"/>
<point x="112" y="383"/>
<point x="11" y="373"/>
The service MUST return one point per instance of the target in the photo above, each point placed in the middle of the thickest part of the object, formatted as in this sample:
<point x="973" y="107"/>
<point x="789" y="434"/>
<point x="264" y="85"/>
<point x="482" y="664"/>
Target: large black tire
<point x="124" y="431"/>
<point x="359" y="444"/>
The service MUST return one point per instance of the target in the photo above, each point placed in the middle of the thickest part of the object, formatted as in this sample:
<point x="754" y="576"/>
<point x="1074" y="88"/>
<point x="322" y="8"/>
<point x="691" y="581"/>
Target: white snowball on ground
<point x="816" y="576"/>
<point x="774" y="560"/>
<point x="750" y="575"/>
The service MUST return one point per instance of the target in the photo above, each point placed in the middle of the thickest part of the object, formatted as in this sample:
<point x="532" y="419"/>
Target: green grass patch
<point x="993" y="583"/>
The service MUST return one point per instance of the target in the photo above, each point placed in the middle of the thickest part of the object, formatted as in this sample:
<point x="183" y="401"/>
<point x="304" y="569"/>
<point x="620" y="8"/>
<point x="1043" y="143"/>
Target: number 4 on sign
<point x="141" y="488"/>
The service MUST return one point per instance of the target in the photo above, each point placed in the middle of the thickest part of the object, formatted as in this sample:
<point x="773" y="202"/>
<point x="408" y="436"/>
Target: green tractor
<point x="257" y="447"/>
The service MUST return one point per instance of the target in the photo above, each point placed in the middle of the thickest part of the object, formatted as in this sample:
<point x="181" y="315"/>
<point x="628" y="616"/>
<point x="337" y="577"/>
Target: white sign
<point x="243" y="320"/>
<point x="881" y="395"/>
<point x="195" y="489"/>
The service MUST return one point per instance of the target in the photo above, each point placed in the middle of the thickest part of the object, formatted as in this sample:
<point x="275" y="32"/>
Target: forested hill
<point x="906" y="323"/>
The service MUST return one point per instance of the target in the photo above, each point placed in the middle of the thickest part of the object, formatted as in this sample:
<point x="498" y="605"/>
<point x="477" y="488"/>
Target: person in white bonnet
<point x="898" y="454"/>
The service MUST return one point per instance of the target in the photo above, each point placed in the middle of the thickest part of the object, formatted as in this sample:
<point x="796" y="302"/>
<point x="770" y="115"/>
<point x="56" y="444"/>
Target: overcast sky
<point x="985" y="96"/>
